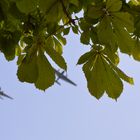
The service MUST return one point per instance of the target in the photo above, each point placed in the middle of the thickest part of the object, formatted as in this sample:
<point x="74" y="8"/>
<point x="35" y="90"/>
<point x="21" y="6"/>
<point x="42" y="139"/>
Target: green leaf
<point x="101" y="77"/>
<point x="54" y="12"/>
<point x="27" y="6"/>
<point x="113" y="5"/>
<point x="84" y="25"/>
<point x="94" y="36"/>
<point x="7" y="46"/>
<point x="124" y="19"/>
<point x="56" y="57"/>
<point x="28" y="40"/>
<point x="66" y="31"/>
<point x="58" y="46"/>
<point x="50" y="42"/>
<point x="124" y="40"/>
<point x="20" y="59"/>
<point x="27" y="70"/>
<point x="46" y="74"/>
<point x="61" y="39"/>
<point x="105" y="31"/>
<point x="75" y="29"/>
<point x="85" y="37"/>
<point x="94" y="77"/>
<point x="134" y="2"/>
<point x="15" y="12"/>
<point x="47" y="5"/>
<point x="8" y="43"/>
<point x="84" y="58"/>
<point x="121" y="74"/>
<point x="136" y="50"/>
<point x="95" y="12"/>
<point x="75" y="2"/>
<point x="114" y="85"/>
<point x="111" y="53"/>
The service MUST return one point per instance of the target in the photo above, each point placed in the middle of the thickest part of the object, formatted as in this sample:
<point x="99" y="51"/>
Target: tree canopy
<point x="32" y="30"/>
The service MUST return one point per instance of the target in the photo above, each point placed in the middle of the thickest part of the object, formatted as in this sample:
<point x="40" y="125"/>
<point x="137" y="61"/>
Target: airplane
<point x="5" y="95"/>
<point x="61" y="75"/>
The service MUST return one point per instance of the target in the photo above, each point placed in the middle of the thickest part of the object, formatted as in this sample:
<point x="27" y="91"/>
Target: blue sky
<point x="67" y="112"/>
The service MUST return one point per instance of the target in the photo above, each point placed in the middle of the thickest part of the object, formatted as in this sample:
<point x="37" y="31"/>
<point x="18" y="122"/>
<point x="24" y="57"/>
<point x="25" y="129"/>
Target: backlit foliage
<point x="32" y="30"/>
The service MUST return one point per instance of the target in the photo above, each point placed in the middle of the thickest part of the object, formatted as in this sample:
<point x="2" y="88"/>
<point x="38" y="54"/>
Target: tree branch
<point x="66" y="12"/>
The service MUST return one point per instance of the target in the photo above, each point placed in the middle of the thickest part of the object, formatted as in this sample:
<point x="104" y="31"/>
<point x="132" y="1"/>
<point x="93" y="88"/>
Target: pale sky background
<point x="67" y="112"/>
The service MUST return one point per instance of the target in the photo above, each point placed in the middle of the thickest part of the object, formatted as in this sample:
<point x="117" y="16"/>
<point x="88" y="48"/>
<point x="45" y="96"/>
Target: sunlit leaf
<point x="94" y="77"/>
<point x="114" y="85"/>
<point x="58" y="46"/>
<point x="46" y="74"/>
<point x="35" y="31"/>
<point x="84" y="58"/>
<point x="105" y="31"/>
<point x="56" y="57"/>
<point x="101" y="77"/>
<point x="27" y="70"/>
<point x="121" y="74"/>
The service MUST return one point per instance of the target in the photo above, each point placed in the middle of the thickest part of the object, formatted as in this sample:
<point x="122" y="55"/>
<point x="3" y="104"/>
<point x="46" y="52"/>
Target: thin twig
<point x="66" y="12"/>
<point x="54" y="32"/>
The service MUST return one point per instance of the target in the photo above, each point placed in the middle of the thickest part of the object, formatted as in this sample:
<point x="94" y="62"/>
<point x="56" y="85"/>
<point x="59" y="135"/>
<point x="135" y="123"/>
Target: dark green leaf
<point x="113" y="5"/>
<point x="75" y="29"/>
<point x="95" y="12"/>
<point x="66" y="31"/>
<point x="85" y="37"/>
<point x="27" y="6"/>
<point x="136" y="50"/>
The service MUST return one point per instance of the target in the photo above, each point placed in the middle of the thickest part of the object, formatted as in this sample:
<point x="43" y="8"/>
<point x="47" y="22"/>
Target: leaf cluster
<point x="36" y="30"/>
